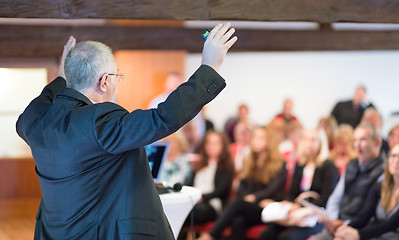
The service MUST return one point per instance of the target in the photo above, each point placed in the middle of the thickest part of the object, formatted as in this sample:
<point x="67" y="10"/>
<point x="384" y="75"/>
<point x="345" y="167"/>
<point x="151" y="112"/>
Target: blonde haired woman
<point x="314" y="179"/>
<point x="262" y="177"/>
<point x="342" y="151"/>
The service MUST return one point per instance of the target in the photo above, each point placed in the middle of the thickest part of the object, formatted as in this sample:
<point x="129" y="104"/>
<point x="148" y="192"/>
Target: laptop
<point x="156" y="154"/>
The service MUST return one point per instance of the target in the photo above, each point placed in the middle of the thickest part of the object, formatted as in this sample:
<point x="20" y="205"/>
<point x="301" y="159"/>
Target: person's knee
<point x="238" y="221"/>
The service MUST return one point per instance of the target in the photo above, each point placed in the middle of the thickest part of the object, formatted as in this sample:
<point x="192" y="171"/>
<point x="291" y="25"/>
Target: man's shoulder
<point x="345" y="103"/>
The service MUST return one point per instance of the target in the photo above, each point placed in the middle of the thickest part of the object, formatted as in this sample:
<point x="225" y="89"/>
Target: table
<point x="177" y="206"/>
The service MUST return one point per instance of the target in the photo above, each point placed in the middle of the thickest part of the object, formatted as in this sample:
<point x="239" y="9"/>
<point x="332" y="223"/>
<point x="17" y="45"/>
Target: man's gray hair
<point x="374" y="132"/>
<point x="86" y="63"/>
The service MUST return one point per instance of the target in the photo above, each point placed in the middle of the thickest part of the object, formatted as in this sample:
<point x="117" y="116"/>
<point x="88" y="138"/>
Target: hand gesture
<point x="217" y="44"/>
<point x="345" y="232"/>
<point x="68" y="46"/>
<point x="250" y="198"/>
<point x="265" y="202"/>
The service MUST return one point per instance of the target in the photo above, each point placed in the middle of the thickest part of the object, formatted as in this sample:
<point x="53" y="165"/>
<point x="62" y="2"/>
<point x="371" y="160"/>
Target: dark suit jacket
<point x="91" y="163"/>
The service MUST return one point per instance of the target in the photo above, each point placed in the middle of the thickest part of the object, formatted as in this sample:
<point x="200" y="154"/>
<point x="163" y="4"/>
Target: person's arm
<point x="46" y="97"/>
<point x="274" y="187"/>
<point x="330" y="177"/>
<point x="119" y="131"/>
<point x="223" y="181"/>
<point x="358" y="226"/>
<point x="369" y="208"/>
<point x="335" y="198"/>
<point x="243" y="188"/>
<point x="391" y="224"/>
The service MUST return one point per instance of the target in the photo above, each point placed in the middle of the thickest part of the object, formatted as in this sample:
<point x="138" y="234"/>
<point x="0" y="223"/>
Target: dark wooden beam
<point x="48" y="41"/>
<point x="325" y="11"/>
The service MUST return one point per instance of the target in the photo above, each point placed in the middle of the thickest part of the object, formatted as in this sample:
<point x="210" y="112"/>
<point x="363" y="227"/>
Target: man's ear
<point x="378" y="142"/>
<point x="103" y="84"/>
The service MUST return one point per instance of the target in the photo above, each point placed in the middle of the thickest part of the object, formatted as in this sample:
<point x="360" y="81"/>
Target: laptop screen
<point x="156" y="153"/>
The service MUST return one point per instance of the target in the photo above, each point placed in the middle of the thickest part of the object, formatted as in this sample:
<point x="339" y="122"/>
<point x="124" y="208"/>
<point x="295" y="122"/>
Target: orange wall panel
<point x="145" y="73"/>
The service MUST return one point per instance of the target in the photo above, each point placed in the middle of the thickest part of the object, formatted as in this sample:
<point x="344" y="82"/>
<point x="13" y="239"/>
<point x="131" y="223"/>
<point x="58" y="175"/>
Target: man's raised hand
<point x="68" y="46"/>
<point x="217" y="44"/>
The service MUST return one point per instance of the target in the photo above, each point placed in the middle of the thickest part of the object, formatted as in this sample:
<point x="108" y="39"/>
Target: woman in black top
<point x="262" y="177"/>
<point x="314" y="176"/>
<point x="382" y="203"/>
<point x="213" y="175"/>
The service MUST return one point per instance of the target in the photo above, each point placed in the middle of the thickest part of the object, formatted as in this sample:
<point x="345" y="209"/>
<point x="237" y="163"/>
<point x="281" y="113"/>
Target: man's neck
<point x="363" y="164"/>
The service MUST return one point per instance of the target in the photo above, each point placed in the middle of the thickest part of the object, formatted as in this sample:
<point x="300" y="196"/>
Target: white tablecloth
<point x="177" y="206"/>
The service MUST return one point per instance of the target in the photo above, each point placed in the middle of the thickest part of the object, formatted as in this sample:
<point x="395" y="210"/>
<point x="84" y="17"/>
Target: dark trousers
<point x="275" y="231"/>
<point x="240" y="215"/>
<point x="202" y="213"/>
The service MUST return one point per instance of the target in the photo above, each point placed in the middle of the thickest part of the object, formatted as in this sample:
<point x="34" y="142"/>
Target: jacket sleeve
<point x="274" y="188"/>
<point x="377" y="230"/>
<point x="368" y="209"/>
<point x="330" y="177"/>
<point x="295" y="184"/>
<point x="118" y="131"/>
<point x="243" y="188"/>
<point x="39" y="105"/>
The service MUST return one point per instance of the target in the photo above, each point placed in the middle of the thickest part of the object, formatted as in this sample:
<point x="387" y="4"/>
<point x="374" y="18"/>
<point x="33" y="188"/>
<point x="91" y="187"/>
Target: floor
<point x="17" y="218"/>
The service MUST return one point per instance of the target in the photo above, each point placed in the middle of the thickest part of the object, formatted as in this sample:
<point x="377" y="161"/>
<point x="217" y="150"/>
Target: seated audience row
<point x="264" y="175"/>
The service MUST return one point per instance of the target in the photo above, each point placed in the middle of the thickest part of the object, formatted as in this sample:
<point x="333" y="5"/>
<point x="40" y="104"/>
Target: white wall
<point x="314" y="80"/>
<point x="18" y="88"/>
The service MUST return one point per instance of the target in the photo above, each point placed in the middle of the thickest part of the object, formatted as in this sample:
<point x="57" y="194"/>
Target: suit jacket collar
<point x="72" y="93"/>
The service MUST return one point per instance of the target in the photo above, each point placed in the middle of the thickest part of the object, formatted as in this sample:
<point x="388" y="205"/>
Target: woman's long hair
<point x="224" y="161"/>
<point x="387" y="188"/>
<point x="271" y="165"/>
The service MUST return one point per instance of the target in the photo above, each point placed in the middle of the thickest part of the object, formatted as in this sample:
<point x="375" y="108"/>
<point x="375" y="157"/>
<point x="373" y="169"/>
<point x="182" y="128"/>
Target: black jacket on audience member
<point x="357" y="184"/>
<point x="324" y="180"/>
<point x="273" y="190"/>
<point x="223" y="181"/>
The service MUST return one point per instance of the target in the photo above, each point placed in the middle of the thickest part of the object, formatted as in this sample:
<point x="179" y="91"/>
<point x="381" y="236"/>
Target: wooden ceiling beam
<point x="48" y="41"/>
<point x="326" y="11"/>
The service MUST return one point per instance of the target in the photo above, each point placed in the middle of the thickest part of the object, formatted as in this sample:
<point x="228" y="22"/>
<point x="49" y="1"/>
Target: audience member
<point x="282" y="123"/>
<point x="213" y="175"/>
<point x="208" y="123"/>
<point x="241" y="147"/>
<point x="393" y="136"/>
<point x="379" y="216"/>
<point x="343" y="150"/>
<point x="360" y="174"/>
<point x="172" y="81"/>
<point x="242" y="116"/>
<point x="329" y="124"/>
<point x="351" y="111"/>
<point x="262" y="177"/>
<point x="286" y="115"/>
<point x="192" y="137"/>
<point x="290" y="154"/>
<point x="177" y="167"/>
<point x="373" y="117"/>
<point x="315" y="178"/>
<point x="278" y="127"/>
